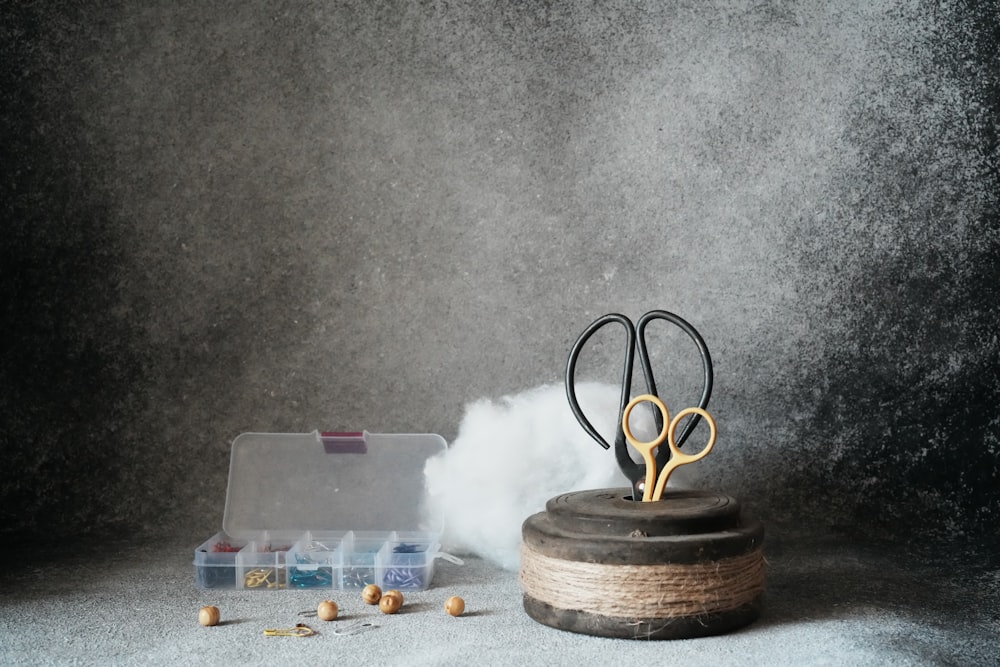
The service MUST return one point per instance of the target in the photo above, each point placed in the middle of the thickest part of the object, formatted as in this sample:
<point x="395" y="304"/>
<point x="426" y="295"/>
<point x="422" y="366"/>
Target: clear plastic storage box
<point x="324" y="511"/>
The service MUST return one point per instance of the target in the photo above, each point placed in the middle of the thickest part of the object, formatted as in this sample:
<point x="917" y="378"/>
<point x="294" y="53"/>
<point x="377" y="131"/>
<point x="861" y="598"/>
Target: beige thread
<point x="643" y="591"/>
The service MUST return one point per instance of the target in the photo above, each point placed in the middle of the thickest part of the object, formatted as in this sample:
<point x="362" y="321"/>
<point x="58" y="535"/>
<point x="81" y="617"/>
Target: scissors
<point x="638" y="473"/>
<point x="667" y="432"/>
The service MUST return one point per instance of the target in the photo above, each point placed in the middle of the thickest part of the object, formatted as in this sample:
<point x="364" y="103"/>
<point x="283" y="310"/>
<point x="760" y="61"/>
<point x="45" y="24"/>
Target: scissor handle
<point x="629" y="467"/>
<point x="664" y="430"/>
<point x="646" y="447"/>
<point x="677" y="457"/>
<point x="647" y="369"/>
<point x="675" y="446"/>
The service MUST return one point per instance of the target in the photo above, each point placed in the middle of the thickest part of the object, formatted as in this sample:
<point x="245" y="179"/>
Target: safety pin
<point x="300" y="630"/>
<point x="259" y="577"/>
<point x="355" y="628"/>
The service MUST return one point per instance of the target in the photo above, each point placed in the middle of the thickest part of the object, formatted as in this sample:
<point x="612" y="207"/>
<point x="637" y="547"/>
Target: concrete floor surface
<point x="828" y="602"/>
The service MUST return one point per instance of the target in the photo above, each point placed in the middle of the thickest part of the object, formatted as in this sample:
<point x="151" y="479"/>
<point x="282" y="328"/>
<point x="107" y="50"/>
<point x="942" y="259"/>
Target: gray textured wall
<point x="223" y="217"/>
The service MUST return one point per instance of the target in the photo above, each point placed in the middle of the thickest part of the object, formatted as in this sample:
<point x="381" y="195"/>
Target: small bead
<point x="371" y="594"/>
<point x="455" y="605"/>
<point x="208" y="616"/>
<point x="327" y="610"/>
<point x="390" y="604"/>
<point x="394" y="593"/>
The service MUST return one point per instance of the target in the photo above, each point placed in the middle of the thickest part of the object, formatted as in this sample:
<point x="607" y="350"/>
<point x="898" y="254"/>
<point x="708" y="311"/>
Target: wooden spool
<point x="689" y="565"/>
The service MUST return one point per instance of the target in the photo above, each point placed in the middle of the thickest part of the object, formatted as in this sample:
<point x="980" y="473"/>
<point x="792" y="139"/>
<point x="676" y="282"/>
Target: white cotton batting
<point x="512" y="455"/>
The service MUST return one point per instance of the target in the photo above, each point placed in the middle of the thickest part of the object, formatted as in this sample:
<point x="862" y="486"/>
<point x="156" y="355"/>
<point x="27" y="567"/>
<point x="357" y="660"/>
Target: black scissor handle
<point x="629" y="467"/>
<point x="647" y="371"/>
<point x="632" y="470"/>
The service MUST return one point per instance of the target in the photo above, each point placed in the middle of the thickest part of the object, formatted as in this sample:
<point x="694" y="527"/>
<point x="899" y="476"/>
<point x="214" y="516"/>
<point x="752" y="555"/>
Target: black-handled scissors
<point x="636" y="338"/>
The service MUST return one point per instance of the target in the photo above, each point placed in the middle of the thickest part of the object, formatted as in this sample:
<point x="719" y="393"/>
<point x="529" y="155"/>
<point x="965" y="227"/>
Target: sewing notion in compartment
<point x="312" y="511"/>
<point x="646" y="562"/>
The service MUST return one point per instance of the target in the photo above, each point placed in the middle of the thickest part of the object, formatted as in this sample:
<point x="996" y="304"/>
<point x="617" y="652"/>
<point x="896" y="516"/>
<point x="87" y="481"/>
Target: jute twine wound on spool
<point x="669" y="590"/>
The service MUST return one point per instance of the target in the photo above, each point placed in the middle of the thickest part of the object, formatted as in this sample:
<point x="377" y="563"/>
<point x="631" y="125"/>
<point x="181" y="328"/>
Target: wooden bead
<point x="454" y="605"/>
<point x="208" y="616"/>
<point x="327" y="610"/>
<point x="390" y="604"/>
<point x="371" y="594"/>
<point x="395" y="593"/>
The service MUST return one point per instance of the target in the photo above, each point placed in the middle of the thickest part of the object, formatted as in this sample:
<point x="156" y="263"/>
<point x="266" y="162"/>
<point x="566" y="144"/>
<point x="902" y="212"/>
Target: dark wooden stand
<point x="605" y="526"/>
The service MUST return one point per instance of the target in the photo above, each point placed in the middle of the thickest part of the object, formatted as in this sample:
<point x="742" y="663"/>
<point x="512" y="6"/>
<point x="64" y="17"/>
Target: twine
<point x="643" y="591"/>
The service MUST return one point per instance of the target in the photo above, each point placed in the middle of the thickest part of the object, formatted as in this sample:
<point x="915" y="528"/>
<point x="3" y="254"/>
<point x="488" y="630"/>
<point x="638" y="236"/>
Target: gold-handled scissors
<point x="655" y="483"/>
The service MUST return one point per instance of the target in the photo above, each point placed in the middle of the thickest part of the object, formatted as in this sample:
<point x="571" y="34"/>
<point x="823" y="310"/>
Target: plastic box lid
<point x="288" y="483"/>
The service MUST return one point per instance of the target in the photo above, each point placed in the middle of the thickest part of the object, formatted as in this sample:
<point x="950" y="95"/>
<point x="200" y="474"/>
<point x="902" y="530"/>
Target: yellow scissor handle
<point x="677" y="457"/>
<point x="646" y="448"/>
